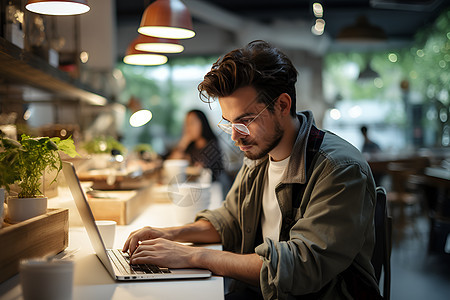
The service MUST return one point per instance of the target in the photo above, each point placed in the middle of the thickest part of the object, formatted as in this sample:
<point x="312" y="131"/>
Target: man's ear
<point x="284" y="103"/>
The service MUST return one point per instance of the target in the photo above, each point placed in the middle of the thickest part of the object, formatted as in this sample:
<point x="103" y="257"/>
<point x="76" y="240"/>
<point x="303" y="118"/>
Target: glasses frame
<point x="239" y="127"/>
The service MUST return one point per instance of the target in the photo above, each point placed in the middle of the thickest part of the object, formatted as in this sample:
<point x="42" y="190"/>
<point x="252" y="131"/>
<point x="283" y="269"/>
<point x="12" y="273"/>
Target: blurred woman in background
<point x="199" y="144"/>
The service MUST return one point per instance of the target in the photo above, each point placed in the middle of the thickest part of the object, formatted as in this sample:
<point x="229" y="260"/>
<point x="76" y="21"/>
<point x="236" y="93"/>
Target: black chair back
<point x="381" y="258"/>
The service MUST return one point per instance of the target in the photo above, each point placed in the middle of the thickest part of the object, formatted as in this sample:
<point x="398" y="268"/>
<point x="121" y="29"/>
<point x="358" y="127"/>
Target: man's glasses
<point x="240" y="127"/>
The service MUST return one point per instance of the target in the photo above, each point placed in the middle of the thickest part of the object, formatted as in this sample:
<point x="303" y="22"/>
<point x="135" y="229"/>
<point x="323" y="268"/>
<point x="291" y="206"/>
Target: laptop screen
<point x="86" y="214"/>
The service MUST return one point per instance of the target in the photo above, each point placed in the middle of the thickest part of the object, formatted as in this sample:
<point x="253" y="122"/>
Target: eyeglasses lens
<point x="240" y="128"/>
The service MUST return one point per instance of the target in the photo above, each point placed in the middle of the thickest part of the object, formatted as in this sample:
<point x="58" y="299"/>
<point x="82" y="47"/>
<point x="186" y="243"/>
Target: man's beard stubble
<point x="274" y="140"/>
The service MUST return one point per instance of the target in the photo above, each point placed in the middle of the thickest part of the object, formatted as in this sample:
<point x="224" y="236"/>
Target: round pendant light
<point x="152" y="44"/>
<point x="140" y="118"/>
<point x="167" y="19"/>
<point x="142" y="58"/>
<point x="58" y="7"/>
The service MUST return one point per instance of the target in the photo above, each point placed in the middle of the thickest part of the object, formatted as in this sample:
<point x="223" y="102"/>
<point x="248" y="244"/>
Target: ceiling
<point x="225" y="24"/>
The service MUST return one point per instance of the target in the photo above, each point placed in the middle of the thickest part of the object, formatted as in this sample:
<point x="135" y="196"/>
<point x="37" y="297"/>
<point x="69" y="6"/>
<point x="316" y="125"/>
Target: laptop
<point x="114" y="260"/>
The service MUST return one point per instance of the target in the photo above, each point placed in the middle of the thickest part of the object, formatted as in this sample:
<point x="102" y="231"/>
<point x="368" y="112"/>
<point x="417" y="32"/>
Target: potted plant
<point x="145" y="152"/>
<point x="24" y="163"/>
<point x="100" y="150"/>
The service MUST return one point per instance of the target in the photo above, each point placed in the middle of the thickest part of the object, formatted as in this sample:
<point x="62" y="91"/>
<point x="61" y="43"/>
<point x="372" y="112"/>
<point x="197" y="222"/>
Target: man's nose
<point x="236" y="135"/>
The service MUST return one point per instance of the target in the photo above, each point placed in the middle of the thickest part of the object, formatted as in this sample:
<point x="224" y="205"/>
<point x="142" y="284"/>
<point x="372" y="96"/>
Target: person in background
<point x="369" y="149"/>
<point x="369" y="146"/>
<point x="199" y="144"/>
<point x="297" y="222"/>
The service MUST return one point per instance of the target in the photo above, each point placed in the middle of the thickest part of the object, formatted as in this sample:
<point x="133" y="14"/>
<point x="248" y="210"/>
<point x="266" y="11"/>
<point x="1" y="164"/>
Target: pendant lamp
<point x="152" y="44"/>
<point x="167" y="19"/>
<point x="368" y="74"/>
<point x="362" y="31"/>
<point x="58" y="7"/>
<point x="136" y="57"/>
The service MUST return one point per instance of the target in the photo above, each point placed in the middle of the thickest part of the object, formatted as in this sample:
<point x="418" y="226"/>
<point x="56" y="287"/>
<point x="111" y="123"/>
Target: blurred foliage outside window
<point x="418" y="74"/>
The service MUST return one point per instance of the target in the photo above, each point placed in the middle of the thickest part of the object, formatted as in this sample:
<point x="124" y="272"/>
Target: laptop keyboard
<point x="122" y="259"/>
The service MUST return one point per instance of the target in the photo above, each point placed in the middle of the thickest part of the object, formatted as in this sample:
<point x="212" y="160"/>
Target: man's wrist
<point x="201" y="258"/>
<point x="171" y="233"/>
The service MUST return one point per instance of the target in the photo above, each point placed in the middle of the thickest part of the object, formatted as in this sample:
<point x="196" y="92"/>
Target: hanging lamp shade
<point x="153" y="44"/>
<point x="167" y="19"/>
<point x="136" y="57"/>
<point x="58" y="7"/>
<point x="362" y="30"/>
<point x="368" y="74"/>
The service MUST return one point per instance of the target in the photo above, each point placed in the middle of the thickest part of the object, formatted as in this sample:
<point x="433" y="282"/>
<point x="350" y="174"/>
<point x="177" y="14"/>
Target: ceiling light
<point x="362" y="30"/>
<point x="319" y="27"/>
<point x="167" y="19"/>
<point x="136" y="57"/>
<point x="318" y="10"/>
<point x="58" y="7"/>
<point x="159" y="45"/>
<point x="145" y="59"/>
<point x="140" y="118"/>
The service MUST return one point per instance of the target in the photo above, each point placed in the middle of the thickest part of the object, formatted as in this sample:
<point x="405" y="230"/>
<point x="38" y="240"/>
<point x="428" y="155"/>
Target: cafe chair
<point x="381" y="257"/>
<point x="404" y="199"/>
<point x="436" y="192"/>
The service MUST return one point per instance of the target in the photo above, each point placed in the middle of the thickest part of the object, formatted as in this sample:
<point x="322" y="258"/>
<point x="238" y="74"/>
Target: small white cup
<point x="49" y="280"/>
<point x="107" y="231"/>
<point x="189" y="199"/>
<point x="175" y="170"/>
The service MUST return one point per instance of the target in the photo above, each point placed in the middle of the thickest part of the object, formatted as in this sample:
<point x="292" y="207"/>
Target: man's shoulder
<point x="339" y="151"/>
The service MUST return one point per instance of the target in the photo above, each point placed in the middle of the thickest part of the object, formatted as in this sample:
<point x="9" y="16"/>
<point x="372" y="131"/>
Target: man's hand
<point x="199" y="232"/>
<point x="157" y="246"/>
<point x="143" y="234"/>
<point x="164" y="253"/>
<point x="170" y="254"/>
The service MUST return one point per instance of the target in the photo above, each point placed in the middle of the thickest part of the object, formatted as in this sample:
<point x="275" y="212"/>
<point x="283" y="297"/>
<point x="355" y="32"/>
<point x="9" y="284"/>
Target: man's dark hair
<point x="259" y="65"/>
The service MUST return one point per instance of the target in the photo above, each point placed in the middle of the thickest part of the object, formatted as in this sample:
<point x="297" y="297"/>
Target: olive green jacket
<point x="327" y="219"/>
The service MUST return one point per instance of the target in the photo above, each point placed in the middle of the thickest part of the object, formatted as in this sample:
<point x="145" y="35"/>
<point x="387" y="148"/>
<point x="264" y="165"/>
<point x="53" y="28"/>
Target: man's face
<point x="265" y="131"/>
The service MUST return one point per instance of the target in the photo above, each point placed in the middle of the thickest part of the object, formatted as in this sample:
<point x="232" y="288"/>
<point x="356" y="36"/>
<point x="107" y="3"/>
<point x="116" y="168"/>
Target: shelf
<point x="40" y="236"/>
<point x="25" y="68"/>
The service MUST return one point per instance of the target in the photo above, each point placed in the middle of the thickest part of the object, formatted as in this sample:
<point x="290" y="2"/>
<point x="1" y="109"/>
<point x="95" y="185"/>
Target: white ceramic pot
<point x="99" y="161"/>
<point x="21" y="209"/>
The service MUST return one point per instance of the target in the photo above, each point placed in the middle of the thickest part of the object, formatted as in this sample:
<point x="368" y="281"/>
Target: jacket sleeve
<point x="225" y="219"/>
<point x="325" y="239"/>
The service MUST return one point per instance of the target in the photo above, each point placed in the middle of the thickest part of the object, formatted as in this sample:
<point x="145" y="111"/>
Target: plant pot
<point x="21" y="209"/>
<point x="100" y="161"/>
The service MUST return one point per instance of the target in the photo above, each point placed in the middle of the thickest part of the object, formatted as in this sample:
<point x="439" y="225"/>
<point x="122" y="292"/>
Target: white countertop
<point x="92" y="281"/>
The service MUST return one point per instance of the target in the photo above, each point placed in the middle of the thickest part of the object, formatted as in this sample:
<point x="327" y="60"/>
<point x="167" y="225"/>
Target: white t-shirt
<point x="271" y="213"/>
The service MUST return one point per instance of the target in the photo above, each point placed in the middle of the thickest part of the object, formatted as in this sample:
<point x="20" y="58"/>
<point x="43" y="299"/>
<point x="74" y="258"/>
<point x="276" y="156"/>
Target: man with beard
<point x="298" y="220"/>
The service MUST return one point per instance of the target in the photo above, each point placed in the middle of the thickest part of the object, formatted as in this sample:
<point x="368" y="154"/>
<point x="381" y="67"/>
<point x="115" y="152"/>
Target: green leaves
<point x="25" y="162"/>
<point x="67" y="146"/>
<point x="8" y="143"/>
<point x="103" y="145"/>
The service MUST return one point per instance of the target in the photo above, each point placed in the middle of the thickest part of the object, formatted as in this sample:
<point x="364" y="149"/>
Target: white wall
<point x="98" y="34"/>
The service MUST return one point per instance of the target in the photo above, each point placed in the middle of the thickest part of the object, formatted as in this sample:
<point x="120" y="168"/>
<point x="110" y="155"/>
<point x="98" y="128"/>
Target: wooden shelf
<point x="19" y="66"/>
<point x="40" y="236"/>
